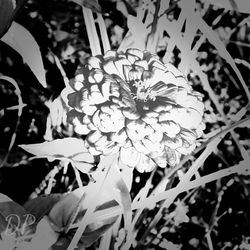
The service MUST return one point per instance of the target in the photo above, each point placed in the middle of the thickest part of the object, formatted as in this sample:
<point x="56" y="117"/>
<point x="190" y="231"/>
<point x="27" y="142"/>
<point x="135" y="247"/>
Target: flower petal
<point x="145" y="164"/>
<point x="130" y="156"/>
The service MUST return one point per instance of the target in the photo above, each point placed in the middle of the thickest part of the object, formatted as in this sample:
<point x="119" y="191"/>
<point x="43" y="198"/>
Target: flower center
<point x="142" y="93"/>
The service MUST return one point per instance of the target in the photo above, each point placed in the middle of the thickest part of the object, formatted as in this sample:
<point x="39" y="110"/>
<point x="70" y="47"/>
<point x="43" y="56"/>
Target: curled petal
<point x="89" y="109"/>
<point x="126" y="70"/>
<point x="107" y="120"/>
<point x="93" y="137"/>
<point x="130" y="156"/>
<point x="160" y="161"/>
<point x="137" y="129"/>
<point x="120" y="64"/>
<point x="140" y="147"/>
<point x="173" y="143"/>
<point x="80" y="128"/>
<point x="110" y="68"/>
<point x="135" y="52"/>
<point x="119" y="137"/>
<point x="142" y="63"/>
<point x="156" y="135"/>
<point x="150" y="120"/>
<point x="172" y="156"/>
<point x="130" y="114"/>
<point x="94" y="62"/>
<point x="173" y="69"/>
<point x="151" y="146"/>
<point x="110" y="55"/>
<point x="170" y="128"/>
<point x="145" y="164"/>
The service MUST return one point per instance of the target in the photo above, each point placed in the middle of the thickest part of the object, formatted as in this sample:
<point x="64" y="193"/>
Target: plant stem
<point x="209" y="241"/>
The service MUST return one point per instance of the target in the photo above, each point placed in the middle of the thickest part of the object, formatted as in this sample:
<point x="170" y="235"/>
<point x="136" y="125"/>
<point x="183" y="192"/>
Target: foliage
<point x="72" y="195"/>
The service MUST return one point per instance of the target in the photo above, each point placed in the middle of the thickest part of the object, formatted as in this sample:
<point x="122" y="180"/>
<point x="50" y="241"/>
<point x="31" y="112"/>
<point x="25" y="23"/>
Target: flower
<point x="134" y="104"/>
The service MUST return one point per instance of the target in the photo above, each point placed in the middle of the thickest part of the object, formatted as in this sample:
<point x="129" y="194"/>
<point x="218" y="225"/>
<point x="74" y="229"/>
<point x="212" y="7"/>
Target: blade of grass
<point x="187" y="8"/>
<point x="103" y="31"/>
<point x="92" y="191"/>
<point x="242" y="123"/>
<point x="140" y="196"/>
<point x="106" y="240"/>
<point x="241" y="168"/>
<point x="20" y="106"/>
<point x="181" y="43"/>
<point x="91" y="31"/>
<point x="204" y="79"/>
<point x="148" y="202"/>
<point x="184" y="182"/>
<point x="214" y="39"/>
<point x="153" y="37"/>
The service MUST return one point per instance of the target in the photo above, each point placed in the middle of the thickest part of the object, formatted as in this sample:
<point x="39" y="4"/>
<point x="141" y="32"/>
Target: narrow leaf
<point x="62" y="212"/>
<point x="20" y="39"/>
<point x="103" y="31"/>
<point x="136" y="37"/>
<point x="90" y="4"/>
<point x="71" y="148"/>
<point x="41" y="206"/>
<point x="116" y="184"/>
<point x="214" y="39"/>
<point x="44" y="237"/>
<point x="89" y="237"/>
<point x="91" y="31"/>
<point x="236" y="5"/>
<point x="93" y="190"/>
<point x="19" y="107"/>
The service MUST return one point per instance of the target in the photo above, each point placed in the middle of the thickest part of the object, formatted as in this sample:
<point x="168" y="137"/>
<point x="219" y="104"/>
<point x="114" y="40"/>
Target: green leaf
<point x="9" y="9"/>
<point x="64" y="211"/>
<point x="122" y="194"/>
<point x="8" y="207"/>
<point x="71" y="148"/>
<point x="20" y="39"/>
<point x="6" y="11"/>
<point x="45" y="236"/>
<point x="41" y="206"/>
